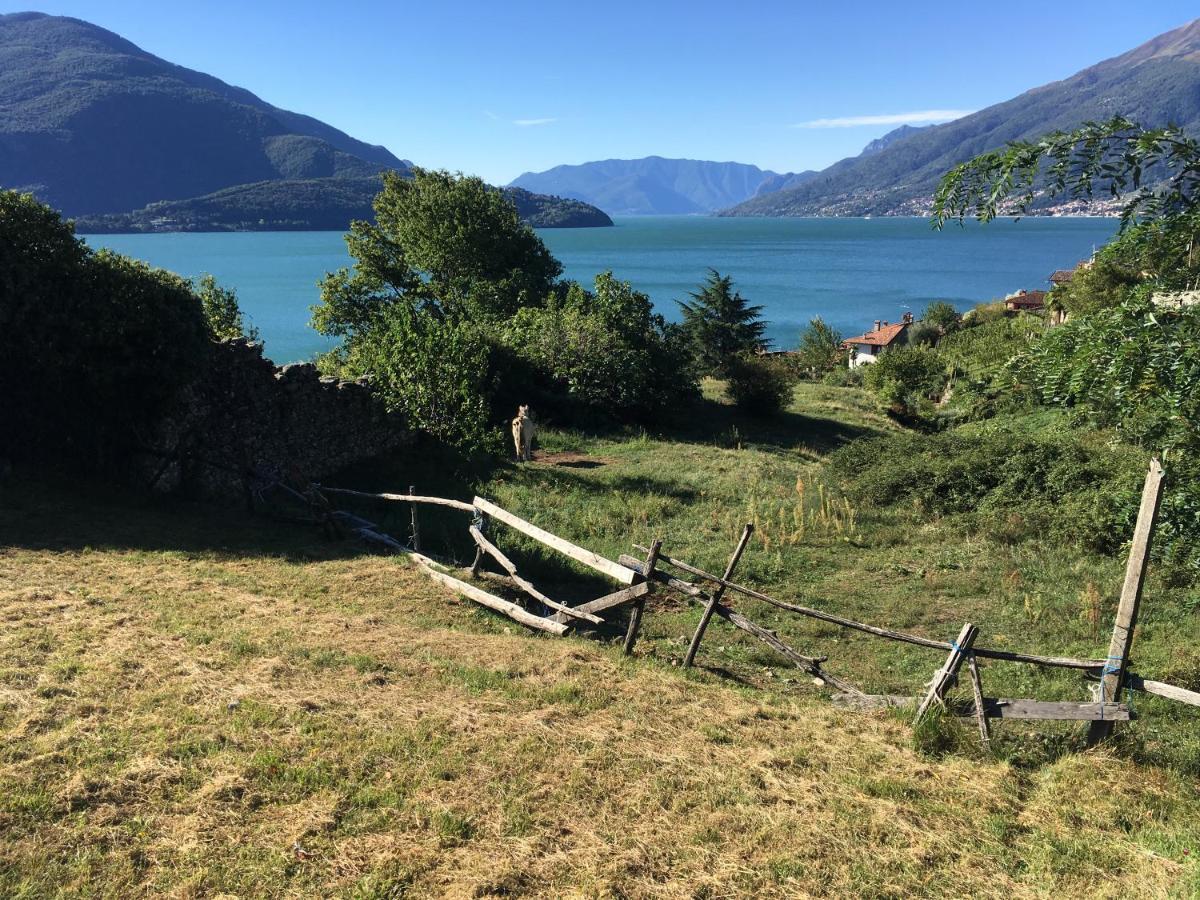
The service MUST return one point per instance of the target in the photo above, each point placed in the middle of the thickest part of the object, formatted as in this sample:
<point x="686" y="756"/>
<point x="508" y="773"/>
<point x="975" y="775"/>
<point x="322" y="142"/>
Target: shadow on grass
<point x="714" y="423"/>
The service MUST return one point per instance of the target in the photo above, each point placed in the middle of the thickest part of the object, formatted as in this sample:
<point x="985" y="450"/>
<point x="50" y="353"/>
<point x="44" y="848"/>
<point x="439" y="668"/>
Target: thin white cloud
<point x="525" y="123"/>
<point x="906" y="118"/>
<point x="491" y="115"/>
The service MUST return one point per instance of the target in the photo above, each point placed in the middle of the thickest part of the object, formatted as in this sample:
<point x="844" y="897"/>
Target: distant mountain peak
<point x="1155" y="83"/>
<point x="890" y="138"/>
<point x="655" y="185"/>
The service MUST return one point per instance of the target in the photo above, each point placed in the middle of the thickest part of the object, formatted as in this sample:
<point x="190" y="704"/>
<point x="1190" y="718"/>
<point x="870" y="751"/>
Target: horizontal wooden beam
<point x="1064" y="662"/>
<point x="403" y="498"/>
<point x="684" y="587"/>
<point x="1161" y="689"/>
<point x="491" y="601"/>
<point x="593" y="560"/>
<point x="1001" y="707"/>
<point x="608" y="601"/>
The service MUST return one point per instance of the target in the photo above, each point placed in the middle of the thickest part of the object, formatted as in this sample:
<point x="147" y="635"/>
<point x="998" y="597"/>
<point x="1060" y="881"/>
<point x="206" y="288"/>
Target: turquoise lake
<point x="849" y="271"/>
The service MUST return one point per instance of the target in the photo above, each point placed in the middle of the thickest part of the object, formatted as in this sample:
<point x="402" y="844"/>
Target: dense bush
<point x="221" y="311"/>
<point x="906" y="378"/>
<point x="94" y="343"/>
<point x="844" y="376"/>
<point x="760" y="385"/>
<point x="1135" y="366"/>
<point x="601" y="354"/>
<point x="1017" y="481"/>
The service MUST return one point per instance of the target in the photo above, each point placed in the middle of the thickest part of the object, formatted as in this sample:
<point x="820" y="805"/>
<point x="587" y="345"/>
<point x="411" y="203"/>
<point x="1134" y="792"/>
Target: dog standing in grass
<point x="524" y="431"/>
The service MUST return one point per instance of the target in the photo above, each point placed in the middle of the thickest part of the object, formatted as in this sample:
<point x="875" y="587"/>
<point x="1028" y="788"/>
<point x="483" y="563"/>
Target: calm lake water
<point x="849" y="271"/>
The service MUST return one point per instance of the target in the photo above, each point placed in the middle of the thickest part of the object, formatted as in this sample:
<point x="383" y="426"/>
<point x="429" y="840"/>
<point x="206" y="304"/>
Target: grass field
<point x="199" y="703"/>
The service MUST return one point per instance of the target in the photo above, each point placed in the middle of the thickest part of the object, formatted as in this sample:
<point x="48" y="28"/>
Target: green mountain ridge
<point x="314" y="204"/>
<point x="1155" y="84"/>
<point x="657" y="186"/>
<point x="123" y="140"/>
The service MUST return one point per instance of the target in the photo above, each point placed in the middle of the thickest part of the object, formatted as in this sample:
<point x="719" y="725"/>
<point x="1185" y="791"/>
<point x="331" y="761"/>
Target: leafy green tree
<point x="1134" y="366"/>
<point x="1159" y="170"/>
<point x="474" y="254"/>
<point x="820" y="349"/>
<point x="942" y="315"/>
<point x="720" y="324"/>
<point x="446" y="258"/>
<point x="221" y="311"/>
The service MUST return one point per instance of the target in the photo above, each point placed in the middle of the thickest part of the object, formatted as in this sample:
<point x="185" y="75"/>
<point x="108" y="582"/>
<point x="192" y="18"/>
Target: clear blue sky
<point x="498" y="88"/>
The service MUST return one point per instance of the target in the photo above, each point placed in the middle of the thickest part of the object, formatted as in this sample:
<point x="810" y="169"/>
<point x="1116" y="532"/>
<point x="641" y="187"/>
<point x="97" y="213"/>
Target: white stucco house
<point x="866" y="348"/>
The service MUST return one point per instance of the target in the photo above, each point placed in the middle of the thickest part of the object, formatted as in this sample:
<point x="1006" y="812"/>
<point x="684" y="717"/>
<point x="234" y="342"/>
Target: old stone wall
<point x="246" y="415"/>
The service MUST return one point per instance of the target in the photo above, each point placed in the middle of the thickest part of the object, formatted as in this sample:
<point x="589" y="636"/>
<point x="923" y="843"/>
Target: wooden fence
<point x="640" y="577"/>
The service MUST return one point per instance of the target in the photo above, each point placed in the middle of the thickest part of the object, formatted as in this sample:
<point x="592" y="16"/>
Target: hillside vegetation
<point x="1157" y="83"/>
<point x="200" y="703"/>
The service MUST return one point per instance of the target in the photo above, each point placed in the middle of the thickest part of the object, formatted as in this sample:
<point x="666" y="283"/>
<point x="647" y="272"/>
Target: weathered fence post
<point x="483" y="524"/>
<point x="1113" y="675"/>
<point x="985" y="736"/>
<point x="635" y="616"/>
<point x="944" y="677"/>
<point x="416" y="528"/>
<point x="715" y="597"/>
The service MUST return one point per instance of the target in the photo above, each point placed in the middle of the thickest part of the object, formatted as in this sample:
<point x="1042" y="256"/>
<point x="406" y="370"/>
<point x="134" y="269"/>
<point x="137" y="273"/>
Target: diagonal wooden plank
<point x="527" y="586"/>
<point x="592" y="560"/>
<point x="608" y="601"/>
<point x="493" y="602"/>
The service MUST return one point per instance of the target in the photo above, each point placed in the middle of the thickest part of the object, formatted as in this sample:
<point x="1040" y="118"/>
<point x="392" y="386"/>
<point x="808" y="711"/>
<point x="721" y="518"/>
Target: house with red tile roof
<point x="1025" y="301"/>
<point x="866" y="348"/>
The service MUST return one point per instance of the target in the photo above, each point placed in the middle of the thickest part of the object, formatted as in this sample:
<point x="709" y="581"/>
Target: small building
<point x="1060" y="277"/>
<point x="1025" y="301"/>
<point x="866" y="348"/>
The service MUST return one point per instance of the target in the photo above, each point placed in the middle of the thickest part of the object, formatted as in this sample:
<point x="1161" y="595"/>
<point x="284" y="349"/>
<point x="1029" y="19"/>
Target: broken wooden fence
<point x="561" y="617"/>
<point x="639" y="576"/>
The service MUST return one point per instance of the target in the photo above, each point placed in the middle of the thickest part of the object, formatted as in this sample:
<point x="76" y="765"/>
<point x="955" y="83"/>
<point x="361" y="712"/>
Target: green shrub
<point x="759" y="385"/>
<point x="95" y="343"/>
<point x="844" y="376"/>
<point x="600" y="355"/>
<point x="221" y="311"/>
<point x="906" y="378"/>
<point x="1012" y="479"/>
<point x="436" y="371"/>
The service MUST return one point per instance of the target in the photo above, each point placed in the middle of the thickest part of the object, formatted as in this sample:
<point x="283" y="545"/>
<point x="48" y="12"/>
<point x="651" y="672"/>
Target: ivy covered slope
<point x="1157" y="83"/>
<point x="104" y="131"/>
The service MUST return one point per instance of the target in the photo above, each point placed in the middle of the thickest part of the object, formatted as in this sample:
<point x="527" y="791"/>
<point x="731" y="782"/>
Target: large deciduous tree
<point x="446" y="258"/>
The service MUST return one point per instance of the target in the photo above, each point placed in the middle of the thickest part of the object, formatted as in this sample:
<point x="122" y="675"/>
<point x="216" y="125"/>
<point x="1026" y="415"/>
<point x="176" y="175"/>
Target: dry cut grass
<point x="197" y="705"/>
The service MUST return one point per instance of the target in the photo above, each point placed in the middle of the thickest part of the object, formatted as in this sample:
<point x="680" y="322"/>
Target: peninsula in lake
<point x="125" y="141"/>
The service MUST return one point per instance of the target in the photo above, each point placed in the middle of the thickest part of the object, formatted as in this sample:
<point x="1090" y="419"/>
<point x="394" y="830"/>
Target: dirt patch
<point x="570" y="459"/>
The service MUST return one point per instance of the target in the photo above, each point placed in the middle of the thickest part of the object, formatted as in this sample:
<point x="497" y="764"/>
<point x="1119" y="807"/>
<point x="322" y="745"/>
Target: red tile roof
<point x="1026" y="300"/>
<point x="1062" y="276"/>
<point x="880" y="337"/>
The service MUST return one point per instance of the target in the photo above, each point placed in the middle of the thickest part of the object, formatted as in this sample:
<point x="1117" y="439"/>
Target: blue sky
<point x="498" y="88"/>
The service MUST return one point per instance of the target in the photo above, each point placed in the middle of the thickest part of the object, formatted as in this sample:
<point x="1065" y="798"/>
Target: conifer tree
<point x="721" y="324"/>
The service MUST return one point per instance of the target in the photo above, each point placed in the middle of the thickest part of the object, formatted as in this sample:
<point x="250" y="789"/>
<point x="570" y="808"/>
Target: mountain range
<point x="1154" y="84"/>
<point x="657" y="186"/>
<point x="105" y="131"/>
